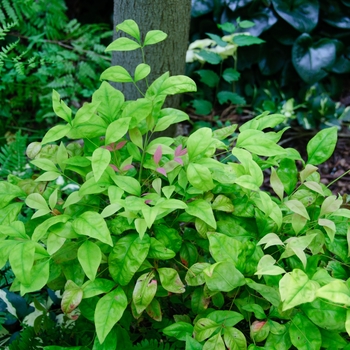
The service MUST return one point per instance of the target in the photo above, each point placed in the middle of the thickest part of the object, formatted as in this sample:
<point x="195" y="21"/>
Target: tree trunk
<point x="170" y="16"/>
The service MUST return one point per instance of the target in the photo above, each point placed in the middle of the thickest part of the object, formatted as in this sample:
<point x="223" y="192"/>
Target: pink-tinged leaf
<point x="158" y="155"/>
<point x="114" y="167"/>
<point x="120" y="145"/>
<point x="114" y="146"/>
<point x="148" y="201"/>
<point x="145" y="194"/>
<point x="109" y="147"/>
<point x="128" y="167"/>
<point x="161" y="171"/>
<point x="179" y="151"/>
<point x="179" y="160"/>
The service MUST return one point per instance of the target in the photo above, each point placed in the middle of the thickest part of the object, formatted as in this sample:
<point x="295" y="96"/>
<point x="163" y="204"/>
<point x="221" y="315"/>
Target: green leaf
<point x="202" y="210"/>
<point x="232" y="97"/>
<point x="223" y="277"/>
<point x="199" y="142"/>
<point x="41" y="230"/>
<point x="9" y="192"/>
<point x="100" y="160"/>
<point x="297" y="207"/>
<point x="170" y="280"/>
<point x="302" y="15"/>
<point x="177" y="84"/>
<point x="267" y="292"/>
<point x="230" y="75"/>
<point x="234" y="339"/>
<point x="89" y="256"/>
<point x="209" y="56"/>
<point x="246" y="40"/>
<point x="266" y="266"/>
<point x="122" y="44"/>
<point x="204" y="328"/>
<point x="109" y="310"/>
<point x="130" y="27"/>
<point x="208" y="77"/>
<point x="217" y="39"/>
<point x="127" y="256"/>
<point x="215" y="342"/>
<point x="263" y="121"/>
<point x="57" y="132"/>
<point x="117" y="74"/>
<point x="202" y="107"/>
<point x="71" y="297"/>
<point x="256" y="309"/>
<point x="39" y="276"/>
<point x="110" y="101"/>
<point x="141" y="71"/>
<point x="179" y="330"/>
<point x="296" y="288"/>
<point x="45" y="164"/>
<point x="169" y="116"/>
<point x="225" y="318"/>
<point x="322" y="146"/>
<point x="159" y="251"/>
<point x="311" y="60"/>
<point x="200" y="177"/>
<point x="192" y="344"/>
<point x="170" y="237"/>
<point x="154" y="37"/>
<point x="304" y="334"/>
<point x="138" y="111"/>
<point x="144" y="291"/>
<point x="336" y="291"/>
<point x="332" y="340"/>
<point x="195" y="275"/>
<point x="109" y="343"/>
<point x="116" y="130"/>
<point x="154" y="311"/>
<point x="60" y="108"/>
<point x="128" y="184"/>
<point x="21" y="260"/>
<point x="92" y="224"/>
<point x="96" y="287"/>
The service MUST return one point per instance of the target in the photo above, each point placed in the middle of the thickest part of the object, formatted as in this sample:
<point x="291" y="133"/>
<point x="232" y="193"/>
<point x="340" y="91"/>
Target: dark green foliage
<point x="40" y="49"/>
<point x="306" y="44"/>
<point x="12" y="155"/>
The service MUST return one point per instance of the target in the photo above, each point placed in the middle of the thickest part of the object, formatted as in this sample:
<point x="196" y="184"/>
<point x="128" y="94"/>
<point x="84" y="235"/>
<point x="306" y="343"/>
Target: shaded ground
<point x="333" y="168"/>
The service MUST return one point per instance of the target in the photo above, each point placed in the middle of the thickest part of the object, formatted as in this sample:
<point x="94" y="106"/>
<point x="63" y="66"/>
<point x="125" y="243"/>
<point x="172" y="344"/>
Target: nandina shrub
<point x="166" y="239"/>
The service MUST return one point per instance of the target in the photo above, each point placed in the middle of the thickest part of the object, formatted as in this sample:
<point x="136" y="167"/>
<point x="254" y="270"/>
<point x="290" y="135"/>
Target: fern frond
<point x="153" y="344"/>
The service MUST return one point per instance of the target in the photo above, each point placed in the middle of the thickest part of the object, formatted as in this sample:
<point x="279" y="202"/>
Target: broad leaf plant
<point x="179" y="234"/>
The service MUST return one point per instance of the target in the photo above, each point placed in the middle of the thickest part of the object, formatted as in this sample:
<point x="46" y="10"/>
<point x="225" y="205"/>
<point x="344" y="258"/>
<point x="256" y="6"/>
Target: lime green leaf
<point x="269" y="240"/>
<point x="223" y="276"/>
<point x="109" y="343"/>
<point x="48" y="176"/>
<point x="116" y="130"/>
<point x="304" y="334"/>
<point x="141" y="71"/>
<point x="45" y="164"/>
<point x="266" y="266"/>
<point x="297" y="207"/>
<point x="179" y="330"/>
<point x="42" y="229"/>
<point x="122" y="44"/>
<point x="198" y="142"/>
<point x="92" y="224"/>
<point x="223" y="203"/>
<point x="138" y="111"/>
<point x="39" y="275"/>
<point x="269" y="293"/>
<point x="130" y="27"/>
<point x="128" y="184"/>
<point x="296" y="288"/>
<point x="154" y="311"/>
<point x="21" y="260"/>
<point x="158" y="250"/>
<point x="215" y="342"/>
<point x="60" y="108"/>
<point x="154" y="37"/>
<point x="57" y="132"/>
<point x="89" y="256"/>
<point x="100" y="161"/>
<point x="176" y="85"/>
<point x="322" y="146"/>
<point x="204" y="328"/>
<point x="117" y="74"/>
<point x="108" y="312"/>
<point x="36" y="201"/>
<point x="234" y="339"/>
<point x="170" y="280"/>
<point x="96" y="287"/>
<point x="202" y="210"/>
<point x="200" y="177"/>
<point x="71" y="297"/>
<point x="127" y="256"/>
<point x="144" y="291"/>
<point x="330" y="205"/>
<point x="336" y="291"/>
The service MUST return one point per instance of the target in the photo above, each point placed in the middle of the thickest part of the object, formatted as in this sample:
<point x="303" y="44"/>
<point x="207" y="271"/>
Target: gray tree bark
<point x="170" y="16"/>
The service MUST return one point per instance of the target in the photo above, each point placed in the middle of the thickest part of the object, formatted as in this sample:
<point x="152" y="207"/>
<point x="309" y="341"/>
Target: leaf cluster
<point x="173" y="240"/>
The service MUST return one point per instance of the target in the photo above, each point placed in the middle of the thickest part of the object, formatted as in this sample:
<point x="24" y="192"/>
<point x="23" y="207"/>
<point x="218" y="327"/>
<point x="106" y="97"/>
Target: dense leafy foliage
<point x="173" y="241"/>
<point x="306" y="44"/>
<point x="41" y="50"/>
